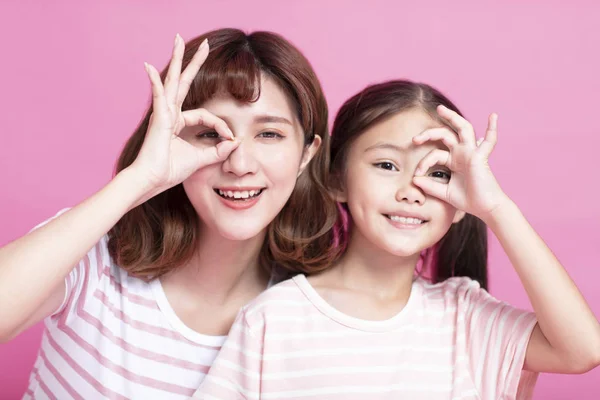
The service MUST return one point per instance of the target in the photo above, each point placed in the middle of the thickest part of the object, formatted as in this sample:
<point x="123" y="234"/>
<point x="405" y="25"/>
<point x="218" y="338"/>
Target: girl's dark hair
<point x="159" y="235"/>
<point x="463" y="250"/>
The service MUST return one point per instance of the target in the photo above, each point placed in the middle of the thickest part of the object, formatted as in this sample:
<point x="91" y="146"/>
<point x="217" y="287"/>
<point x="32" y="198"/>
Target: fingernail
<point x="203" y="44"/>
<point x="146" y="66"/>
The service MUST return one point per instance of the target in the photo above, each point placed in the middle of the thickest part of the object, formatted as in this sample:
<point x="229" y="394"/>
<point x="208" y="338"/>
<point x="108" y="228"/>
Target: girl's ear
<point x="458" y="216"/>
<point x="337" y="190"/>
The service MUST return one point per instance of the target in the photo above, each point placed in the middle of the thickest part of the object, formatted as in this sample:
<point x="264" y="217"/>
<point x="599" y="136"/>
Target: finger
<point x="200" y="116"/>
<point x="172" y="78"/>
<point x="445" y="135"/>
<point x="159" y="104"/>
<point x="491" y="135"/>
<point x="190" y="72"/>
<point x="459" y="124"/>
<point x="435" y="157"/>
<point x="220" y="152"/>
<point x="431" y="187"/>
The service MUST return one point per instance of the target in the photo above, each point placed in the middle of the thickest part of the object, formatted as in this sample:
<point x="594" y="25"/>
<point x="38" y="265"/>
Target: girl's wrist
<point x="502" y="212"/>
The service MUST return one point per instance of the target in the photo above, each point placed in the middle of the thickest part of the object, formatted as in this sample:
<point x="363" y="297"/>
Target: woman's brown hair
<point x="161" y="234"/>
<point x="463" y="250"/>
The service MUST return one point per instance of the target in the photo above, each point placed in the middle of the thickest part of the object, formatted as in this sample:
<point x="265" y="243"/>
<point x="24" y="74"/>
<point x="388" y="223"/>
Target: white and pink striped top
<point x="117" y="337"/>
<point x="451" y="341"/>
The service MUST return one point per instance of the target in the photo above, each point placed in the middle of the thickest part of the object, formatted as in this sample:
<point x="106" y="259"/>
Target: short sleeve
<point x="236" y="372"/>
<point x="84" y="275"/>
<point x="497" y="336"/>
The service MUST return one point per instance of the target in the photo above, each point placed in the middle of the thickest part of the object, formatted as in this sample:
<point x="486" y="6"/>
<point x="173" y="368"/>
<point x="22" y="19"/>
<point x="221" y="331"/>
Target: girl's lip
<point x="402" y="225"/>
<point x="407" y="215"/>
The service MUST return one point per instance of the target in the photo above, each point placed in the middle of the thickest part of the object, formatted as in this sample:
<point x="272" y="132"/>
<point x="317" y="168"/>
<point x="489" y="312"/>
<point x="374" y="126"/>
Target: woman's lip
<point x="239" y="203"/>
<point x="239" y="188"/>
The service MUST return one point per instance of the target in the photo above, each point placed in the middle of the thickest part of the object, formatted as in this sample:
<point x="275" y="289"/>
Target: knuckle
<point x="467" y="127"/>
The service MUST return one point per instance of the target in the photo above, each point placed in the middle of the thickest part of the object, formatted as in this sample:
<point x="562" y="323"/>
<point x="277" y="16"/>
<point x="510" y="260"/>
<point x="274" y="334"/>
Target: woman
<point x="202" y="208"/>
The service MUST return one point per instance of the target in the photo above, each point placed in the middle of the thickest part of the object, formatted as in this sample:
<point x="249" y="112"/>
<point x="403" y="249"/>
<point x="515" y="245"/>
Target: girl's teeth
<point x="404" y="220"/>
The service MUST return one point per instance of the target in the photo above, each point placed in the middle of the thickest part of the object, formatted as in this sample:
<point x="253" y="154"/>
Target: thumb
<point x="217" y="153"/>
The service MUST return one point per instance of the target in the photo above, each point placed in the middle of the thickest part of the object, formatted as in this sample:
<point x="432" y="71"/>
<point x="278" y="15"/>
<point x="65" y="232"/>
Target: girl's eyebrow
<point x="385" y="145"/>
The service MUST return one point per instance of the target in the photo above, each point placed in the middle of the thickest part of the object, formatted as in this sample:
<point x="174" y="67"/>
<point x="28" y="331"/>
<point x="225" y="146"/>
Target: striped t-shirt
<point x="452" y="340"/>
<point x="117" y="337"/>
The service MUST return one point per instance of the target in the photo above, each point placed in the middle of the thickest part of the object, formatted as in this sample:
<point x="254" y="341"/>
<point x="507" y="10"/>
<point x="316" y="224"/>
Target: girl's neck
<point x="368" y="268"/>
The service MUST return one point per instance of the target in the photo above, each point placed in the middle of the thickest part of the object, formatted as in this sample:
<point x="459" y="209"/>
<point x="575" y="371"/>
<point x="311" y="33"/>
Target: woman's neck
<point x="222" y="270"/>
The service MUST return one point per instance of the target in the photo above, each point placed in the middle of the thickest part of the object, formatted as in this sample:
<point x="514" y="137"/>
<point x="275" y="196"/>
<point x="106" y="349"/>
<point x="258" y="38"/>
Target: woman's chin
<point x="238" y="233"/>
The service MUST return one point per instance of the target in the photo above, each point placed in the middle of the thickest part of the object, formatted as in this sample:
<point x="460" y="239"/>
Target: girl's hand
<point x="472" y="187"/>
<point x="165" y="159"/>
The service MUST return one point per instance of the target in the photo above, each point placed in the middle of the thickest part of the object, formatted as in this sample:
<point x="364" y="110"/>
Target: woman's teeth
<point x="244" y="194"/>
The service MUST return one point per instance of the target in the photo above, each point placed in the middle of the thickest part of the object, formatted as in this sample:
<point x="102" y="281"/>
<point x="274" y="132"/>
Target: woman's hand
<point x="165" y="159"/>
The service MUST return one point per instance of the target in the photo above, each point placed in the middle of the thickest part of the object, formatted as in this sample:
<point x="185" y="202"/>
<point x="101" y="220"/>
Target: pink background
<point x="74" y="88"/>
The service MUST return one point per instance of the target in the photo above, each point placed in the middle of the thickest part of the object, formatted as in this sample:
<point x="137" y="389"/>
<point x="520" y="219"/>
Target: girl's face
<point x="239" y="197"/>
<point x="387" y="209"/>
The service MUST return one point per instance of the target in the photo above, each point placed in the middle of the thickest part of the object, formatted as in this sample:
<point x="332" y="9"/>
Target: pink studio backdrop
<point x="74" y="88"/>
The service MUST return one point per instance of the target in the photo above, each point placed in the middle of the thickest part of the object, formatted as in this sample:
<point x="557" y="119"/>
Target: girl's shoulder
<point x="283" y="298"/>
<point x="285" y="291"/>
<point x="455" y="291"/>
<point x="451" y="285"/>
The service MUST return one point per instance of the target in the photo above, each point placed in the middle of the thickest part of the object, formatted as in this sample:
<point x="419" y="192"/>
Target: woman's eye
<point x="441" y="175"/>
<point x="387" y="166"/>
<point x="270" y="135"/>
<point x="208" y="135"/>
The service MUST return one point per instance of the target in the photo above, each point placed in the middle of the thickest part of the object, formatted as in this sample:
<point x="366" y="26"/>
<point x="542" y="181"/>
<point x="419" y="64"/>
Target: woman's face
<point x="240" y="196"/>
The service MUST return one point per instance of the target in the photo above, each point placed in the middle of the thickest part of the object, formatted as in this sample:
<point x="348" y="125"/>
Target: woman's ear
<point x="309" y="153"/>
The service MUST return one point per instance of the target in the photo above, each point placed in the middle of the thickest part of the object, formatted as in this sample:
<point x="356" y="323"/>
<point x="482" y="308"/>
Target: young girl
<point x="416" y="183"/>
<point x="202" y="207"/>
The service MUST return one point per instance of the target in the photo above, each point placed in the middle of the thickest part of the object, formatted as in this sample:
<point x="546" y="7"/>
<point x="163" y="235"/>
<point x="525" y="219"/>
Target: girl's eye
<point x="270" y="135"/>
<point x="441" y="175"/>
<point x="387" y="166"/>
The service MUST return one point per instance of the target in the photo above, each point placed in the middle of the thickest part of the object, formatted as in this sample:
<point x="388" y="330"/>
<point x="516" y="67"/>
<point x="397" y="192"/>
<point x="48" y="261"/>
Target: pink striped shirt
<point x="452" y="340"/>
<point x="117" y="337"/>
